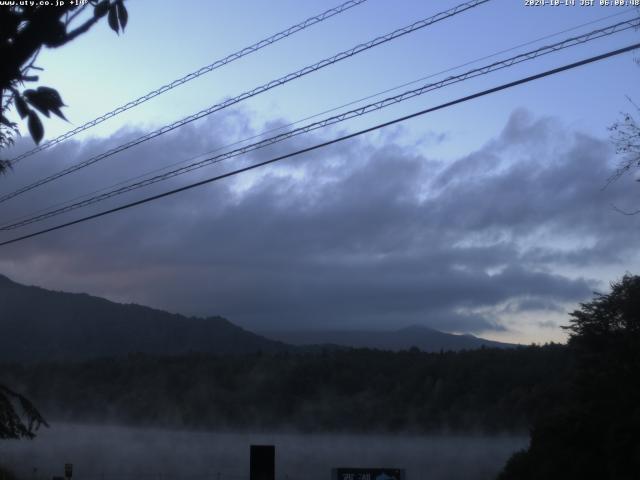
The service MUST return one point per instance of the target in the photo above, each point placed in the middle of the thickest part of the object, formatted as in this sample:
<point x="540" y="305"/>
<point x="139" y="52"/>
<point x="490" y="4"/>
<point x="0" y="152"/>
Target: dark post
<point x="262" y="462"/>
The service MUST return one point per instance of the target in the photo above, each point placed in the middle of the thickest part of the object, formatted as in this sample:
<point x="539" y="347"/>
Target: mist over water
<point x="110" y="453"/>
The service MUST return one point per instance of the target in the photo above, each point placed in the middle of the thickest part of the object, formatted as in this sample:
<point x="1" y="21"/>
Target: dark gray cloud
<point x="359" y="234"/>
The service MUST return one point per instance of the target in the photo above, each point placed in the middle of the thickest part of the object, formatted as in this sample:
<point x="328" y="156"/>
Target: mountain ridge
<point x="422" y="337"/>
<point x="37" y="324"/>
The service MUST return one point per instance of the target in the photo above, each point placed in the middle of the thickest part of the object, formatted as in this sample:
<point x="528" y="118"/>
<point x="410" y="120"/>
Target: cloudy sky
<point x="489" y="217"/>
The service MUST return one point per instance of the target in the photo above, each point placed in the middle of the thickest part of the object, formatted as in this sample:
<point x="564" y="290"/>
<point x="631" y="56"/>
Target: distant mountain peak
<point x="425" y="338"/>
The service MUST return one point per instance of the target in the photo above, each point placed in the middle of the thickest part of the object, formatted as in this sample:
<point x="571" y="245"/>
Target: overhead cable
<point x="251" y="93"/>
<point x="193" y="75"/>
<point x="372" y="107"/>
<point x="330" y="142"/>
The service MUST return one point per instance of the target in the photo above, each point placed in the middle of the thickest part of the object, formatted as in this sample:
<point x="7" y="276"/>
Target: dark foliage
<point x="15" y="410"/>
<point x="6" y="474"/>
<point x="595" y="431"/>
<point x="24" y="31"/>
<point x="356" y="390"/>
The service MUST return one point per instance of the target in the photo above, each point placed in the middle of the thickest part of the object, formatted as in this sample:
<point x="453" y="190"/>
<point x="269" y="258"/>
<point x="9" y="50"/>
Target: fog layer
<point x="106" y="453"/>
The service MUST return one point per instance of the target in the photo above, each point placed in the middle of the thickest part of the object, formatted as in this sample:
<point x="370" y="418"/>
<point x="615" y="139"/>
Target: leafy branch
<point x="18" y="417"/>
<point x="24" y="31"/>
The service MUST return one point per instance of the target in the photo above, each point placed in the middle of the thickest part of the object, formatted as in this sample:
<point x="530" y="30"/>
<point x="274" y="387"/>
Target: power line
<point x="315" y="115"/>
<point x="251" y="93"/>
<point x="567" y="43"/>
<point x="450" y="69"/>
<point x="195" y="74"/>
<point x="318" y="114"/>
<point x="331" y="142"/>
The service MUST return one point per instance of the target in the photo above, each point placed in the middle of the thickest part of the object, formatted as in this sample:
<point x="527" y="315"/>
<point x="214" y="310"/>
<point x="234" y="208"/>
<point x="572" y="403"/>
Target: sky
<point x="490" y="217"/>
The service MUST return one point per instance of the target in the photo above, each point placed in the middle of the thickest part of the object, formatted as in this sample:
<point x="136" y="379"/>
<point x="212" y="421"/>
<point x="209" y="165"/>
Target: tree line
<point x="340" y="390"/>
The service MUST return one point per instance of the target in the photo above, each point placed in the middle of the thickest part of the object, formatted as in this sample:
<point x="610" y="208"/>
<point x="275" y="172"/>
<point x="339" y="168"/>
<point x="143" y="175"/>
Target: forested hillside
<point x="358" y="390"/>
<point x="39" y="324"/>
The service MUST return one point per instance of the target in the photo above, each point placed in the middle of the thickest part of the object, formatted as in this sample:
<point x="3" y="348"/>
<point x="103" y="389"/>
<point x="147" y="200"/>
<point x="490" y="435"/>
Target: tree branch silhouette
<point x="24" y="31"/>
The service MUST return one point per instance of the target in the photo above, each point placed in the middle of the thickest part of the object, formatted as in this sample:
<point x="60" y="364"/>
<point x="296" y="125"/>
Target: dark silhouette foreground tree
<point x="595" y="432"/>
<point x="18" y="417"/>
<point x="24" y="31"/>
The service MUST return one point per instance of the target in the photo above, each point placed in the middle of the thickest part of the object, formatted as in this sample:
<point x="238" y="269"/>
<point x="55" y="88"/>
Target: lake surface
<point x="110" y="453"/>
